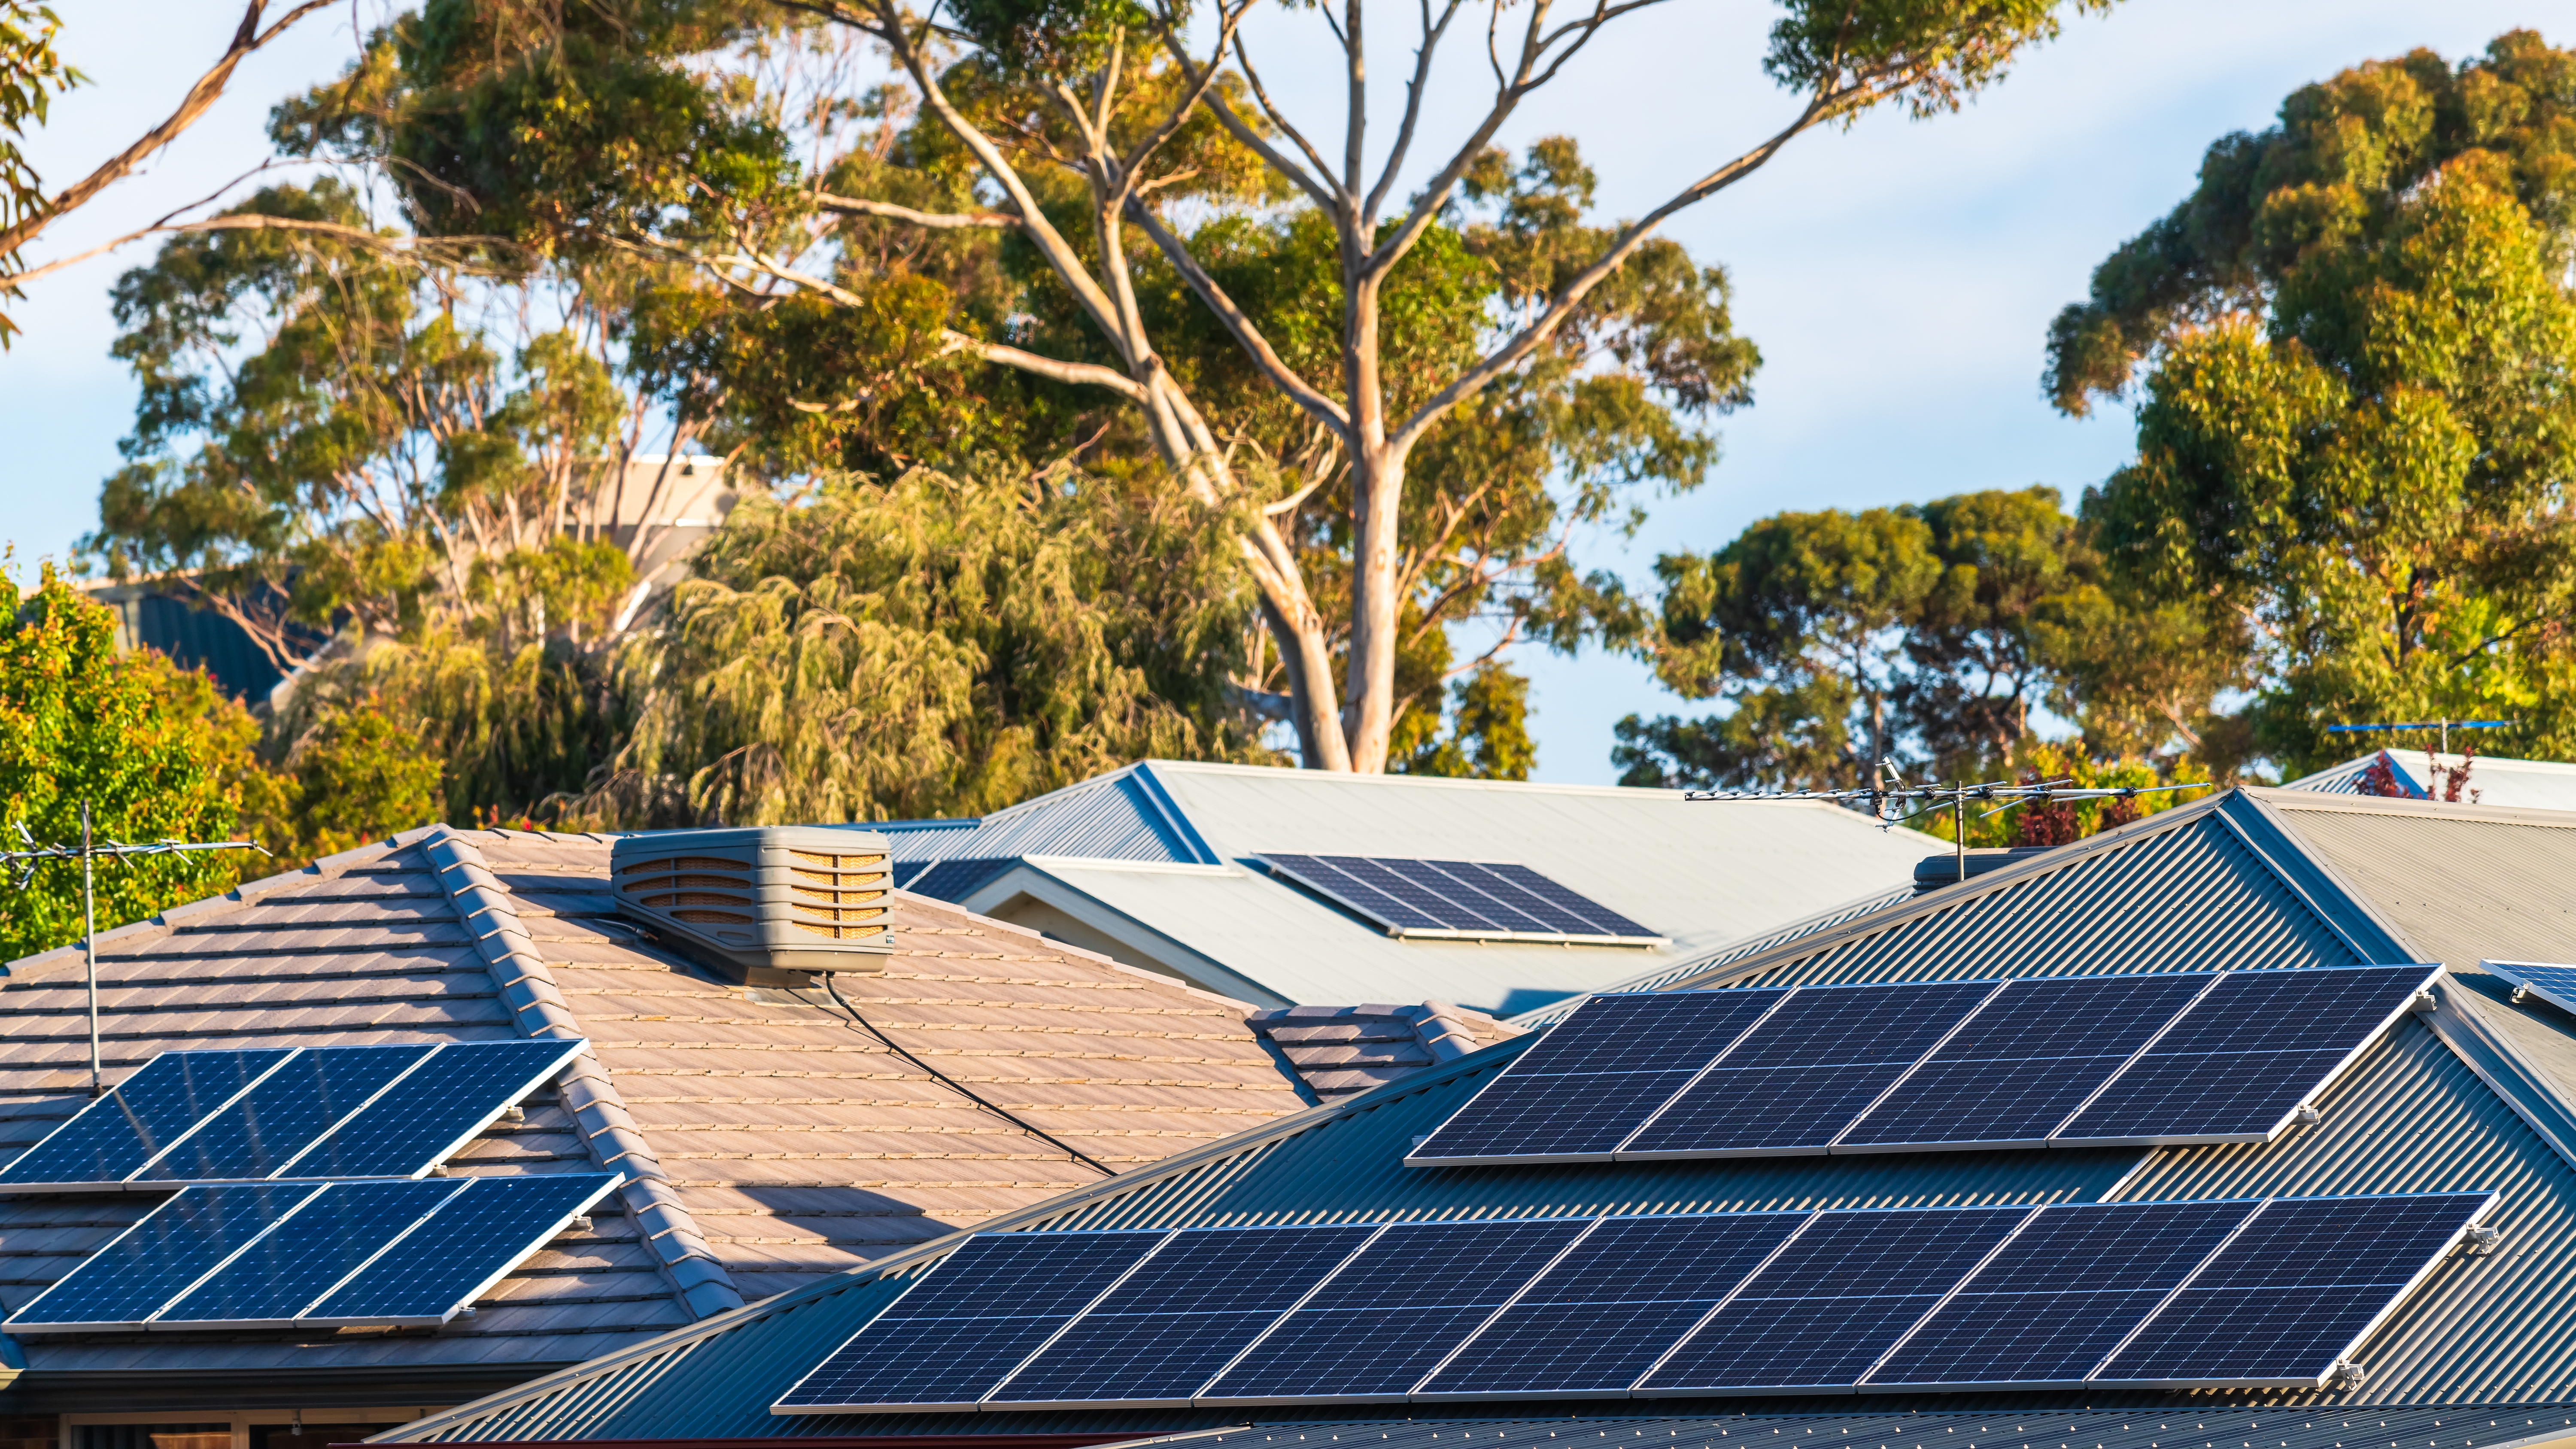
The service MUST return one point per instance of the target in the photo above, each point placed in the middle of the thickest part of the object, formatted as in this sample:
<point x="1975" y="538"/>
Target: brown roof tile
<point x="775" y="1137"/>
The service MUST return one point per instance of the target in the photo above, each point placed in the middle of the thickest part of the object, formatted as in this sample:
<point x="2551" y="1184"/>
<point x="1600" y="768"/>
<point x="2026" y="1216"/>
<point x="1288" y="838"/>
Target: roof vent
<point x="764" y="905"/>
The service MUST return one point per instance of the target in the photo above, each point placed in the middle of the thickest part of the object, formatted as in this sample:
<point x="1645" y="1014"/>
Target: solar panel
<point x="430" y="1112"/>
<point x="1599" y="1318"/>
<point x="2552" y="983"/>
<point x="2298" y="1289"/>
<point x="1391" y="1314"/>
<point x="287" y="1114"/>
<point x="1842" y="1292"/>
<point x="2058" y="1297"/>
<point x="465" y="1245"/>
<point x="1460" y="899"/>
<point x="330" y="1235"/>
<point x="1797" y="1080"/>
<point x="123" y="1128"/>
<point x="296" y="1102"/>
<point x="126" y="1281"/>
<point x="1578" y="1093"/>
<point x="968" y="1321"/>
<point x="1179" y="1318"/>
<point x="2024" y="1062"/>
<point x="2074" y="1061"/>
<point x="2161" y="1294"/>
<point x="2237" y="1065"/>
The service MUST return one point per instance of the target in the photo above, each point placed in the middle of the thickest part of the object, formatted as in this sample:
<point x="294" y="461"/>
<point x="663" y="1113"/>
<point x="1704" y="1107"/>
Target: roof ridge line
<point x="539" y="1008"/>
<point x="1935" y="901"/>
<point x="247" y="892"/>
<point x="1250" y="1139"/>
<point x="2317" y="861"/>
<point x="2455" y="1011"/>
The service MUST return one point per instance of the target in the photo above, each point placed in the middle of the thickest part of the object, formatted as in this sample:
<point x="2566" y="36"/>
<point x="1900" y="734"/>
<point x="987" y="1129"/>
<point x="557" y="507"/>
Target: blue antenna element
<point x="2430" y="724"/>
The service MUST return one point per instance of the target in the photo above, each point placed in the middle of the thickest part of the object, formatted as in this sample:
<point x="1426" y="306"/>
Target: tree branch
<point x="1414" y="91"/>
<point x="1825" y="106"/>
<point x="447" y="251"/>
<point x="247" y="38"/>
<point x="1246" y="334"/>
<point x="888" y="211"/>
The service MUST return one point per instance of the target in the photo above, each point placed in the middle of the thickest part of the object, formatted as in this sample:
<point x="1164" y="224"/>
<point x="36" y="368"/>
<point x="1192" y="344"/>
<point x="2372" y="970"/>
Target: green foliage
<point x="2360" y="409"/>
<point x="360" y="774"/>
<point x="156" y="751"/>
<point x="1489" y="735"/>
<point x="1927" y="634"/>
<point x="934" y="646"/>
<point x="2059" y="822"/>
<point x="31" y="72"/>
<point x="1937" y="53"/>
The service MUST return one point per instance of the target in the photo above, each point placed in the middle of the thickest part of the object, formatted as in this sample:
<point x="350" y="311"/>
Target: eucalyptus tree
<point x="2356" y="348"/>
<point x="1115" y="151"/>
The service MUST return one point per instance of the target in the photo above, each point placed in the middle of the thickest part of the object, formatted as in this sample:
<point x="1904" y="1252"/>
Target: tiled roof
<point x="1340" y="1050"/>
<point x="770" y="1136"/>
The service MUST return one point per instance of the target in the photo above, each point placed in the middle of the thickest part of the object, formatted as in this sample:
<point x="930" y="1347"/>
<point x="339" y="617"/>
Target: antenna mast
<point x="87" y="852"/>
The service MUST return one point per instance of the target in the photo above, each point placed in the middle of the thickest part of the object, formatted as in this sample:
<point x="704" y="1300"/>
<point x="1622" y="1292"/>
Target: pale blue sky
<point x="1898" y="277"/>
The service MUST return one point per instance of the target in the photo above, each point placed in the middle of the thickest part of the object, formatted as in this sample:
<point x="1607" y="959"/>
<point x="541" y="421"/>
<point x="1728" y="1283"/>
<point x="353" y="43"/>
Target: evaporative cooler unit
<point x="765" y="905"/>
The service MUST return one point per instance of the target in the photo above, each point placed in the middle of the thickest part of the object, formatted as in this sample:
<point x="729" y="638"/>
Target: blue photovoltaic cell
<point x="2554" y="983"/>
<point x="2020" y="1065"/>
<point x="1182" y="1316"/>
<point x="1591" y="916"/>
<point x="140" y="1116"/>
<point x="324" y="1241"/>
<point x="157" y="1258"/>
<point x="1369" y="890"/>
<point x="1835" y="1299"/>
<point x="971" y="1319"/>
<point x="472" y="1238"/>
<point x="1597" y="1074"/>
<point x="2294" y="1290"/>
<point x="1610" y="1308"/>
<point x="1807" y="1071"/>
<point x="2242" y="1059"/>
<point x="284" y="1113"/>
<point x="1386" y="1319"/>
<point x="2061" y="1295"/>
<point x="421" y="1117"/>
<point x="1457" y="895"/>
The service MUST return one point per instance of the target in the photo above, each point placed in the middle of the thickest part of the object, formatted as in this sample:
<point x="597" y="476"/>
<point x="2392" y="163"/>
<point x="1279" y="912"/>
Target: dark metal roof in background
<point x="2448" y="1427"/>
<point x="2205" y="884"/>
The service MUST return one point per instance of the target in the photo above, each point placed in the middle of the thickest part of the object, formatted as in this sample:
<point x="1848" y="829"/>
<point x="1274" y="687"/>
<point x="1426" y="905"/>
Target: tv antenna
<point x="88" y="852"/>
<point x="1887" y="794"/>
<point x="2444" y="725"/>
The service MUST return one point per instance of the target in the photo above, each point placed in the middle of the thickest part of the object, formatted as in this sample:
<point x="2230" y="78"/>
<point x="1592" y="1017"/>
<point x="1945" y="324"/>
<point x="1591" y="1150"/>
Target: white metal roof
<point x="1703" y="875"/>
<point x="2511" y="784"/>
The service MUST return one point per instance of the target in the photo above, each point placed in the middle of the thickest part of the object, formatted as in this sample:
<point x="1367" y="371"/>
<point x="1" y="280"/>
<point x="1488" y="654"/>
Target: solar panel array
<point x="286" y="1114"/>
<point x="1460" y="900"/>
<point x="340" y="1254"/>
<point x="2250" y="1293"/>
<point x="2553" y="983"/>
<point x="2064" y="1061"/>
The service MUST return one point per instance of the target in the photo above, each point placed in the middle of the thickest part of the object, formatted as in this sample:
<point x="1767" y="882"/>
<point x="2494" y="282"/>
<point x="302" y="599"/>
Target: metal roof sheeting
<point x="2518" y="784"/>
<point x="2203" y="885"/>
<point x="2195" y="1427"/>
<point x="1663" y="976"/>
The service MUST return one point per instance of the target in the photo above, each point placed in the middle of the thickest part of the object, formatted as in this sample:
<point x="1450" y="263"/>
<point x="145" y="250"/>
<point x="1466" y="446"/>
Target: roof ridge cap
<point x="1888" y="918"/>
<point x="539" y="1009"/>
<point x="1137" y="1179"/>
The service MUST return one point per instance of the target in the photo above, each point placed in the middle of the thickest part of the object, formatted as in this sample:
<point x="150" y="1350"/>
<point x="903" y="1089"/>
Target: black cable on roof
<point x="963" y="1090"/>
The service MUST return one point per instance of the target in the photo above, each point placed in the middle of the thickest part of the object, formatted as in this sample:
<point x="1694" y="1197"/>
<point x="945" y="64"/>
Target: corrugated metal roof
<point x="1126" y="814"/>
<point x="1867" y="1425"/>
<point x="2495" y="781"/>
<point x="1664" y="976"/>
<point x="2462" y="883"/>
<point x="2206" y="885"/>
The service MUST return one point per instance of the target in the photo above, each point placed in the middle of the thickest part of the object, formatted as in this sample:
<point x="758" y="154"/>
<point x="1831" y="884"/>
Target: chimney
<point x="766" y="906"/>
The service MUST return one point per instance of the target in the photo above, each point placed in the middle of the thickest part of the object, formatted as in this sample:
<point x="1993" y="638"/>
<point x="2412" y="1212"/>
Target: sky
<point x="1898" y="276"/>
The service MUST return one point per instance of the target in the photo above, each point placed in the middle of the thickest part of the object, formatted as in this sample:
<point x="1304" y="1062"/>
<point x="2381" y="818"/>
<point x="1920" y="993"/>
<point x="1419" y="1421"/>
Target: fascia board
<point x="1032" y="879"/>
